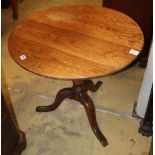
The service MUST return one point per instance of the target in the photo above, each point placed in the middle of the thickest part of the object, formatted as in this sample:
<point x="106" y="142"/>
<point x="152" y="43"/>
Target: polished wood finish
<point x="9" y="132"/>
<point x="75" y="42"/>
<point x="14" y="9"/>
<point x="142" y="12"/>
<point x="6" y="3"/>
<point x="4" y="88"/>
<point x="13" y="140"/>
<point x="78" y="92"/>
<point x="21" y="144"/>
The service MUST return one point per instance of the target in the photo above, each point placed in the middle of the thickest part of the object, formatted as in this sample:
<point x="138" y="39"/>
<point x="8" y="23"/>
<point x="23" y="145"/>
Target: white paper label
<point x="22" y="57"/>
<point x="134" y="52"/>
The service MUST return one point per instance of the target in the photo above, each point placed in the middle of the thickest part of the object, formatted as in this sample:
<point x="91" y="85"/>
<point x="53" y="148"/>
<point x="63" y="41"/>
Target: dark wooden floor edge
<point x="151" y="148"/>
<point x="22" y="143"/>
<point x="134" y="113"/>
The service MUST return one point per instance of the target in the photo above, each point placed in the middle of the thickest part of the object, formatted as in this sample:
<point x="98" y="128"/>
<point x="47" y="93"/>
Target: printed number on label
<point x="22" y="57"/>
<point x="134" y="52"/>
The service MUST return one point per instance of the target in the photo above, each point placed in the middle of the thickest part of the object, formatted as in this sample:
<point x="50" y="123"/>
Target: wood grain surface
<point x="75" y="42"/>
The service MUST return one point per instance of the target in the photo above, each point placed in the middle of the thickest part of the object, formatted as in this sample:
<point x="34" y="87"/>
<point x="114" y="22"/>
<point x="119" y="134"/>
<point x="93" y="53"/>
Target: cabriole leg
<point x="90" y="110"/>
<point x="61" y="95"/>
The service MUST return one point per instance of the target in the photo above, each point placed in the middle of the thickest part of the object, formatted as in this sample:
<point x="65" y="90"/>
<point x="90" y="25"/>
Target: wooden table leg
<point x="14" y="9"/>
<point x="61" y="95"/>
<point x="89" y="84"/>
<point x="90" y="110"/>
<point x="79" y="93"/>
<point x="82" y="96"/>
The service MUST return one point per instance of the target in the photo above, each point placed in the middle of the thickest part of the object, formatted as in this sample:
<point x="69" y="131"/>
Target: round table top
<point x="76" y="42"/>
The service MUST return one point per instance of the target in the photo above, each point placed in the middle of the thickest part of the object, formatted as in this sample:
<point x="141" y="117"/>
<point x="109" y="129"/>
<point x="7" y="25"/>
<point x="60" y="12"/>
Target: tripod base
<point x="78" y="92"/>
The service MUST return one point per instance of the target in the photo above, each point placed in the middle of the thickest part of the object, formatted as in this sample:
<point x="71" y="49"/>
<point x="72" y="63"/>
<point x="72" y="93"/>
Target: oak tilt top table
<point x="76" y="42"/>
